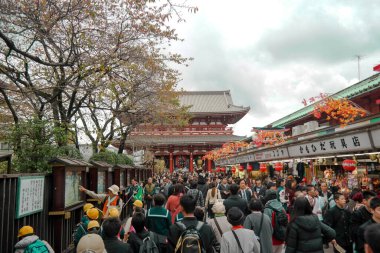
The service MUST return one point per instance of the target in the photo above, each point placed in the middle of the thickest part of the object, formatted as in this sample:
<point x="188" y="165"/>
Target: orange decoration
<point x="226" y="150"/>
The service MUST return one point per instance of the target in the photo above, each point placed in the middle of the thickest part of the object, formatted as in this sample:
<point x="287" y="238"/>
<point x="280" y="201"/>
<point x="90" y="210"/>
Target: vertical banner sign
<point x="30" y="195"/>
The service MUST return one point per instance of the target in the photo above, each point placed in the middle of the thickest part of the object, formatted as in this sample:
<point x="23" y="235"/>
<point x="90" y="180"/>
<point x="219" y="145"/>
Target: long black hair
<point x="301" y="207"/>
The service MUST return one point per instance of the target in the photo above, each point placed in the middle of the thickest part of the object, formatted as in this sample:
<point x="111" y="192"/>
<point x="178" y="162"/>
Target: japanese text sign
<point x="30" y="195"/>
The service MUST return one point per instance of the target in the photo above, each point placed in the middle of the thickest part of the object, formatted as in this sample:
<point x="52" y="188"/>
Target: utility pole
<point x="359" y="57"/>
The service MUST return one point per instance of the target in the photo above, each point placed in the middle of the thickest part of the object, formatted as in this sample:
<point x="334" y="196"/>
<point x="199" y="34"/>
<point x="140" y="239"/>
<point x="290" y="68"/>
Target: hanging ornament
<point x="233" y="169"/>
<point x="223" y="169"/>
<point x="217" y="169"/>
<point x="250" y="168"/>
<point x="349" y="165"/>
<point x="241" y="167"/>
<point x="278" y="166"/>
<point x="263" y="167"/>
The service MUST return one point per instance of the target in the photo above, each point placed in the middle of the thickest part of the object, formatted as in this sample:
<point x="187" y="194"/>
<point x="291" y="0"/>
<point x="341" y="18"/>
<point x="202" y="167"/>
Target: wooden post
<point x="171" y="167"/>
<point x="191" y="167"/>
<point x="209" y="165"/>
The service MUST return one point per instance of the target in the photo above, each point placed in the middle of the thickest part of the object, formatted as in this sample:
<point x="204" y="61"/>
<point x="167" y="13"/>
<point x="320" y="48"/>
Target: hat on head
<point x="138" y="203"/>
<point x="93" y="213"/>
<point x="218" y="207"/>
<point x="270" y="194"/>
<point x="87" y="206"/>
<point x="114" y="188"/>
<point x="270" y="184"/>
<point x="91" y="243"/>
<point x="93" y="224"/>
<point x="25" y="230"/>
<point x="235" y="216"/>
<point x="113" y="213"/>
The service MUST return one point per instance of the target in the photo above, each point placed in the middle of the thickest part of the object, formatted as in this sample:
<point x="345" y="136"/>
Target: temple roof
<point x="364" y="86"/>
<point x="181" y="139"/>
<point x="220" y="102"/>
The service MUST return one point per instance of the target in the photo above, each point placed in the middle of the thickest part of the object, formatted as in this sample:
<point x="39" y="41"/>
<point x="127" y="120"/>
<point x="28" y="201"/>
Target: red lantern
<point x="241" y="167"/>
<point x="217" y="169"/>
<point x="349" y="165"/>
<point x="263" y="167"/>
<point x="223" y="169"/>
<point x="250" y="168"/>
<point x="233" y="169"/>
<point x="278" y="166"/>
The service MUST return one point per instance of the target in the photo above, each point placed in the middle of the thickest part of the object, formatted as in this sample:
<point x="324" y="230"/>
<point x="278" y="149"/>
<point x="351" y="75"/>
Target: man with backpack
<point x="190" y="235"/>
<point x="196" y="193"/>
<point x="30" y="243"/>
<point x="110" y="233"/>
<point x="277" y="214"/>
<point x="143" y="241"/>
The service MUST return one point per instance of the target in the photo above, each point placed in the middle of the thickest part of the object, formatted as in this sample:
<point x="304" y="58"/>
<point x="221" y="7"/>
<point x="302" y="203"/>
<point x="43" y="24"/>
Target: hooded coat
<point x="27" y="240"/>
<point x="271" y="205"/>
<point x="304" y="235"/>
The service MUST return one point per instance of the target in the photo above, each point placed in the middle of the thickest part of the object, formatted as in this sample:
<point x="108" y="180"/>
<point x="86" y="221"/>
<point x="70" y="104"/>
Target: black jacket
<point x="339" y="219"/>
<point x="359" y="244"/>
<point x="304" y="235"/>
<point x="208" y="237"/>
<point x="113" y="245"/>
<point x="237" y="201"/>
<point x="358" y="218"/>
<point x="136" y="239"/>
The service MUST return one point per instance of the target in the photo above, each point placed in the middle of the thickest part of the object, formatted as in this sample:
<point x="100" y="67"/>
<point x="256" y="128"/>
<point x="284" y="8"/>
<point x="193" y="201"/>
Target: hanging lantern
<point x="217" y="169"/>
<point x="223" y="169"/>
<point x="250" y="168"/>
<point x="241" y="167"/>
<point x="233" y="169"/>
<point x="263" y="167"/>
<point x="349" y="165"/>
<point x="278" y="166"/>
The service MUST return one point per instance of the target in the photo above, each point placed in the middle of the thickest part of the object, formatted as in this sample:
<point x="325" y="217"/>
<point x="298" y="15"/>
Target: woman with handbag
<point x="213" y="194"/>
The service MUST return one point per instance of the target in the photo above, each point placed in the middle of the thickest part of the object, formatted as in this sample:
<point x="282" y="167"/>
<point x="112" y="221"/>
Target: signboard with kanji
<point x="346" y="143"/>
<point x="30" y="195"/>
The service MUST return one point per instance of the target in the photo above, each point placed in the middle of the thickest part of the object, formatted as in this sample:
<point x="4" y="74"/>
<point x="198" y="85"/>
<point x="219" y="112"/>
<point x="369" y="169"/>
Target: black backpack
<point x="280" y="224"/>
<point x="190" y="240"/>
<point x="148" y="245"/>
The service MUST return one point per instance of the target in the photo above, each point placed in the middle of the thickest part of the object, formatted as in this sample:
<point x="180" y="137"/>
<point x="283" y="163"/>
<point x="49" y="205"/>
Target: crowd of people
<point x="219" y="213"/>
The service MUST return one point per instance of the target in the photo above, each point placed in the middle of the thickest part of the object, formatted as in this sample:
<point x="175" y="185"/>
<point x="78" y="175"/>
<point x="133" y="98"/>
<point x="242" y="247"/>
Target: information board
<point x="30" y="195"/>
<point x="72" y="182"/>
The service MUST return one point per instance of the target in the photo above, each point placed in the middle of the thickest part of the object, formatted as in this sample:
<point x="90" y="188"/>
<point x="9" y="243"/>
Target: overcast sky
<point x="273" y="53"/>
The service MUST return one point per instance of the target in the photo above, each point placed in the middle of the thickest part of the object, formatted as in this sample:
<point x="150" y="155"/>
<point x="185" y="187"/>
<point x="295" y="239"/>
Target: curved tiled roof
<point x="367" y="85"/>
<point x="210" y="102"/>
<point x="182" y="139"/>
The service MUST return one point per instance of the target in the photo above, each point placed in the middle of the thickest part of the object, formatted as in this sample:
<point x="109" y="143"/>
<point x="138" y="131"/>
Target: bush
<point x="111" y="158"/>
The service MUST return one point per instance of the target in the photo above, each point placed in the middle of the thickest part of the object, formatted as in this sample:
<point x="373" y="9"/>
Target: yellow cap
<point x="25" y="230"/>
<point x="113" y="213"/>
<point x="138" y="203"/>
<point x="87" y="206"/>
<point x="93" y="224"/>
<point x="93" y="213"/>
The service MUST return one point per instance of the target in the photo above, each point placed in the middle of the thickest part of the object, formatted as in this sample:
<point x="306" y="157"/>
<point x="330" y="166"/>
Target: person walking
<point x="234" y="200"/>
<point x="304" y="230"/>
<point x="219" y="223"/>
<point x="29" y="242"/>
<point x="173" y="202"/>
<point x="224" y="188"/>
<point x="261" y="224"/>
<point x="158" y="218"/>
<point x="110" y="231"/>
<point x="213" y="195"/>
<point x="244" y="191"/>
<point x="339" y="218"/>
<point x="372" y="238"/>
<point x="238" y="239"/>
<point x="196" y="193"/>
<point x="149" y="191"/>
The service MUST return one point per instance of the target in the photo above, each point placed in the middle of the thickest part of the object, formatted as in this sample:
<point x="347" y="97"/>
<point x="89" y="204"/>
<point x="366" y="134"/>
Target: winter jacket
<point x="253" y="222"/>
<point x="22" y="245"/>
<point x="203" y="187"/>
<point x="358" y="218"/>
<point x="304" y="235"/>
<point x="223" y="224"/>
<point x="135" y="240"/>
<point x="114" y="245"/>
<point x="208" y="238"/>
<point x="158" y="220"/>
<point x="236" y="201"/>
<point x="271" y="205"/>
<point x="359" y="244"/>
<point x="339" y="219"/>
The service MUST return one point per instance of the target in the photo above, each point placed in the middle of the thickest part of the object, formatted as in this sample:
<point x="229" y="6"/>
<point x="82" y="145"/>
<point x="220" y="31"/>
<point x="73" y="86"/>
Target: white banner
<point x="273" y="154"/>
<point x="376" y="137"/>
<point x="346" y="143"/>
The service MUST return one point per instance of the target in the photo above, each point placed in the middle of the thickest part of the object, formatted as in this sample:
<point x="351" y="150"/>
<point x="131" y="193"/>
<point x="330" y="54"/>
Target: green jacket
<point x="158" y="220"/>
<point x="304" y="235"/>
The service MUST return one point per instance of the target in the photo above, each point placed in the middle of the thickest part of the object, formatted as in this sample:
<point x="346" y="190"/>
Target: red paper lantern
<point x="241" y="167"/>
<point x="223" y="169"/>
<point x="263" y="167"/>
<point x="349" y="165"/>
<point x="250" y="168"/>
<point x="217" y="169"/>
<point x="278" y="166"/>
<point x="233" y="169"/>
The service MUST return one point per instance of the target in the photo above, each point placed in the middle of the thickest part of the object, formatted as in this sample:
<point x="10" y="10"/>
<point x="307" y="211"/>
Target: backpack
<point x="190" y="240"/>
<point x="148" y="245"/>
<point x="36" y="247"/>
<point x="280" y="222"/>
<point x="79" y="230"/>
